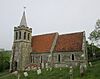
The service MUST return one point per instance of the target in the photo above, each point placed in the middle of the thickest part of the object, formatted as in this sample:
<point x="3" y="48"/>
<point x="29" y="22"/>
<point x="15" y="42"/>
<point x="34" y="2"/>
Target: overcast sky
<point x="46" y="16"/>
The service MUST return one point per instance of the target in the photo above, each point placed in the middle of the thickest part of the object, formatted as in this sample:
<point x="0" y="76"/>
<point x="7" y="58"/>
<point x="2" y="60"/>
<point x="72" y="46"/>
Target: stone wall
<point x="22" y="54"/>
<point x="64" y="59"/>
<point x="67" y="59"/>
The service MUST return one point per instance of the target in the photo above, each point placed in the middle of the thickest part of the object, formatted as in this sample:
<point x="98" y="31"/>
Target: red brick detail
<point x="69" y="42"/>
<point x="42" y="43"/>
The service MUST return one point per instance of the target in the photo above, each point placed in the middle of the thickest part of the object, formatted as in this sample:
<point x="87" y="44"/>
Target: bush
<point x="6" y="65"/>
<point x="1" y="68"/>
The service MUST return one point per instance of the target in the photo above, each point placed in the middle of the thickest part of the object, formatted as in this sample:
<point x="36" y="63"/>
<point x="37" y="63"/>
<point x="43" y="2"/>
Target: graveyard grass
<point x="56" y="73"/>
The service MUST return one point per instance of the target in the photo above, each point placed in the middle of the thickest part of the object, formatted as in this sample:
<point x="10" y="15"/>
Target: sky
<point x="47" y="16"/>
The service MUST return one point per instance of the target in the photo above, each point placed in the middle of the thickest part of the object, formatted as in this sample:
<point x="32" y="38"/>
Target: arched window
<point x="72" y="56"/>
<point x="24" y="35"/>
<point x="15" y="63"/>
<point x="19" y="34"/>
<point x="32" y="58"/>
<point x="28" y="36"/>
<point x="16" y="35"/>
<point x="59" y="58"/>
<point x="41" y="59"/>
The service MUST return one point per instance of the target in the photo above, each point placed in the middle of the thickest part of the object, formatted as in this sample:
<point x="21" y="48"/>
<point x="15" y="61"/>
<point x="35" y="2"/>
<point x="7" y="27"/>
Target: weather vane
<point x="24" y="8"/>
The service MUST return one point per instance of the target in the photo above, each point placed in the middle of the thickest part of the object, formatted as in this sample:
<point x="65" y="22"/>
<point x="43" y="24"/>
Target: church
<point x="52" y="49"/>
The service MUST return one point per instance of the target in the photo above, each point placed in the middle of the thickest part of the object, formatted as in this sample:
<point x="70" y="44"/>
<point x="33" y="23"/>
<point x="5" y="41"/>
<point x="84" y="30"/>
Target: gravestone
<point x="28" y="69"/>
<point x="42" y="65"/>
<point x="50" y="69"/>
<point x="39" y="71"/>
<point x="46" y="65"/>
<point x="47" y="69"/>
<point x="90" y="64"/>
<point x="56" y="65"/>
<point x="71" y="73"/>
<point x="60" y="68"/>
<point x="85" y="66"/>
<point x="81" y="70"/>
<point x="26" y="74"/>
<point x="67" y="66"/>
<point x="76" y="64"/>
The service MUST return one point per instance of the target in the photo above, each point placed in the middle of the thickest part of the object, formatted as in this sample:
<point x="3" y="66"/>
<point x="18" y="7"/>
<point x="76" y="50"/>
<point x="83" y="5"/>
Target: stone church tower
<point x="21" y="46"/>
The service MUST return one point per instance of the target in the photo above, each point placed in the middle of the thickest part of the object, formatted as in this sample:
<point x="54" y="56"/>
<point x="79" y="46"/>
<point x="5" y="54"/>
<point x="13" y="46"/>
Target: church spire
<point x="23" y="20"/>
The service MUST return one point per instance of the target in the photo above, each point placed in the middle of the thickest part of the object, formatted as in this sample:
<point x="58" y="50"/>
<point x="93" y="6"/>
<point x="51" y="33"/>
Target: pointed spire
<point x="23" y="20"/>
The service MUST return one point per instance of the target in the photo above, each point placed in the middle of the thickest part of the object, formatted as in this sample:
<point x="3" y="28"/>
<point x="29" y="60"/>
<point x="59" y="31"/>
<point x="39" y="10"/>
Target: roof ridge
<point x="72" y="33"/>
<point x="45" y="34"/>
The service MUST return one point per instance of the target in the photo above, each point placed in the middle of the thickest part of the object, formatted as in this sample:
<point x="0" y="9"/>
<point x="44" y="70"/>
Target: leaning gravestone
<point x="26" y="74"/>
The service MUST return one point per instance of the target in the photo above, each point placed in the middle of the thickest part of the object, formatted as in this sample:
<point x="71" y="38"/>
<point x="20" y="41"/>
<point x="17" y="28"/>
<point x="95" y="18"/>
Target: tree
<point x="90" y="48"/>
<point x="95" y="34"/>
<point x="4" y="60"/>
<point x="95" y="38"/>
<point x="1" y="62"/>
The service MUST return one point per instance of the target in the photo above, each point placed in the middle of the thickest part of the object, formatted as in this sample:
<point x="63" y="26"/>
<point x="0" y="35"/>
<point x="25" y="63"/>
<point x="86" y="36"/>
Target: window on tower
<point x="19" y="34"/>
<point x="16" y="35"/>
<point x="28" y="36"/>
<point x="24" y="35"/>
<point x="59" y="58"/>
<point x="72" y="56"/>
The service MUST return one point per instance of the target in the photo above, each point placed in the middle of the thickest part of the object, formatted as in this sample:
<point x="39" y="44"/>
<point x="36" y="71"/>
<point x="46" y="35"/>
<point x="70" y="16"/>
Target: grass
<point x="56" y="73"/>
<point x="4" y="73"/>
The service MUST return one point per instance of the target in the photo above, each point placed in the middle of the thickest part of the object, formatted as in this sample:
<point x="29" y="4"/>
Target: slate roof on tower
<point x="69" y="42"/>
<point x="42" y="43"/>
<point x="23" y="20"/>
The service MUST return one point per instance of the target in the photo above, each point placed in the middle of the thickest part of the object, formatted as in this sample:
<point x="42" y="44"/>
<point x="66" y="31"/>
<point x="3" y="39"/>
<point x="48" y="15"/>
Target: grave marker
<point x="26" y="74"/>
<point x="39" y="71"/>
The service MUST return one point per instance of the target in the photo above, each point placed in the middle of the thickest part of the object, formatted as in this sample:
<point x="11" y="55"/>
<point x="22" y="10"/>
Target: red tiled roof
<point x="42" y="43"/>
<point x="69" y="42"/>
